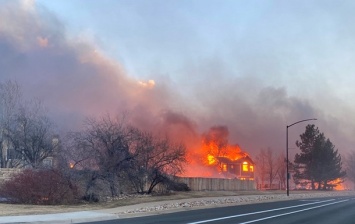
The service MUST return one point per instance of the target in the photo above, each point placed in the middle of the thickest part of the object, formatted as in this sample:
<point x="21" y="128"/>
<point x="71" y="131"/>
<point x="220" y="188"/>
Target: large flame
<point x="215" y="144"/>
<point x="338" y="184"/>
<point x="232" y="152"/>
<point x="204" y="161"/>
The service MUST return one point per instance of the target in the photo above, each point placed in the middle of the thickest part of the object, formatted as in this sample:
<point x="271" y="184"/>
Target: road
<point x="321" y="210"/>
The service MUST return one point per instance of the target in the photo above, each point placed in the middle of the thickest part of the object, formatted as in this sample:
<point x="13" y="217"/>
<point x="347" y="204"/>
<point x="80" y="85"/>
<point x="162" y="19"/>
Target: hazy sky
<point x="253" y="66"/>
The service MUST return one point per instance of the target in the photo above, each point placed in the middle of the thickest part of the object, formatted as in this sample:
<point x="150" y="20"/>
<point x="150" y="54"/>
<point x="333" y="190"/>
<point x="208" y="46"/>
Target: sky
<point x="184" y="66"/>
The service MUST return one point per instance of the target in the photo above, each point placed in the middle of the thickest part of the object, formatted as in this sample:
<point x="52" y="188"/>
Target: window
<point x="251" y="168"/>
<point x="224" y="167"/>
<point x="48" y="162"/>
<point x="245" y="166"/>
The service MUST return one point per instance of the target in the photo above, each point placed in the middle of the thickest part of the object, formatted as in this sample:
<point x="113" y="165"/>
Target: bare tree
<point x="30" y="136"/>
<point x="216" y="139"/>
<point x="26" y="132"/>
<point x="268" y="166"/>
<point x="281" y="164"/>
<point x="261" y="170"/>
<point x="109" y="150"/>
<point x="215" y="143"/>
<point x="273" y="167"/>
<point x="157" y="160"/>
<point x="104" y="147"/>
<point x="10" y="96"/>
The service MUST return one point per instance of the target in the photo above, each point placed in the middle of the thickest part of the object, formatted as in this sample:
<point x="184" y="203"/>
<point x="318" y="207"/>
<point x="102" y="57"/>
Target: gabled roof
<point x="245" y="158"/>
<point x="224" y="160"/>
<point x="239" y="161"/>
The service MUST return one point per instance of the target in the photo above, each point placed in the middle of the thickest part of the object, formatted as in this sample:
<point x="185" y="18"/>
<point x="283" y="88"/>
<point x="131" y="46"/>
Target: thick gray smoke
<point x="74" y="80"/>
<point x="71" y="76"/>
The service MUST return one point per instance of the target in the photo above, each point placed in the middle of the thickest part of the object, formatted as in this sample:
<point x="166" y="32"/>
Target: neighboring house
<point x="7" y="154"/>
<point x="11" y="158"/>
<point x="242" y="168"/>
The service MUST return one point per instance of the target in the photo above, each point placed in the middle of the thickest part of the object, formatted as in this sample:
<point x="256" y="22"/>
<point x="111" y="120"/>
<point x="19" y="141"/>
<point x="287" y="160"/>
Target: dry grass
<point x="18" y="209"/>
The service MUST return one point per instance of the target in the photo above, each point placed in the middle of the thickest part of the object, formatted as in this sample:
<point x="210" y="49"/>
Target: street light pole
<point x="288" y="174"/>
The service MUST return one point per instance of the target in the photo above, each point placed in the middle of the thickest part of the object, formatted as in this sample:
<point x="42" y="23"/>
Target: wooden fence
<point x="194" y="183"/>
<point x="216" y="184"/>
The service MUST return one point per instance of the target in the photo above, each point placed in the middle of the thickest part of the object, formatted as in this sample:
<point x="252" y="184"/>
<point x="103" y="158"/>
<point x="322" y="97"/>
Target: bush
<point x="173" y="185"/>
<point x="90" y="198"/>
<point x="179" y="187"/>
<point x="39" y="187"/>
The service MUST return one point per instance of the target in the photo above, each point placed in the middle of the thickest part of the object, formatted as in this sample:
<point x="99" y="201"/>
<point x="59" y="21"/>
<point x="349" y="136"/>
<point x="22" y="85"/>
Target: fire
<point x="232" y="152"/>
<point x="217" y="158"/>
<point x="211" y="159"/>
<point x="215" y="144"/>
<point x="338" y="184"/>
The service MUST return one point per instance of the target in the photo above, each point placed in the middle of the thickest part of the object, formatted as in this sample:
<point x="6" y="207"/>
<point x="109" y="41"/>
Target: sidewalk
<point x="70" y="217"/>
<point x="159" y="207"/>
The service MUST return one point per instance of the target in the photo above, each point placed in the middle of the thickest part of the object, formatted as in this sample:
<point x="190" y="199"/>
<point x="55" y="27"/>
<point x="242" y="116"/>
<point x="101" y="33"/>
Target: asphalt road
<point x="322" y="210"/>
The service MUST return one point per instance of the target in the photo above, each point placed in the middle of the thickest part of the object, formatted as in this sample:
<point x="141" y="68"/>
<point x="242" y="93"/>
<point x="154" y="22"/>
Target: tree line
<point x="106" y="155"/>
<point x="318" y="165"/>
<point x="270" y="169"/>
<point x="109" y="150"/>
<point x="109" y="155"/>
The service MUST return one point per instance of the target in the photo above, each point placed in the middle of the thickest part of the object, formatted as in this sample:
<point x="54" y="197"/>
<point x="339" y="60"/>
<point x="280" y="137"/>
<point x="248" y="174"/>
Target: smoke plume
<point x="75" y="79"/>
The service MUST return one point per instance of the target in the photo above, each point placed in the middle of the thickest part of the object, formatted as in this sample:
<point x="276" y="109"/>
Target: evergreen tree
<point x="332" y="165"/>
<point x="319" y="162"/>
<point x="303" y="164"/>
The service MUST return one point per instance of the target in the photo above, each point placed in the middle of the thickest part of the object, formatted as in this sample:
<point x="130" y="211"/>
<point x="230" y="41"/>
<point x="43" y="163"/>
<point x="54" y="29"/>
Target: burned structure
<point x="241" y="168"/>
<point x="217" y="158"/>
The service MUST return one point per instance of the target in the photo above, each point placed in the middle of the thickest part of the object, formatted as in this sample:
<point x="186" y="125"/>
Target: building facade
<point x="242" y="168"/>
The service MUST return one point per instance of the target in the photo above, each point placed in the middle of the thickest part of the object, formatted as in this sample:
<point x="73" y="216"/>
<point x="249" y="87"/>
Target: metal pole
<point x="287" y="172"/>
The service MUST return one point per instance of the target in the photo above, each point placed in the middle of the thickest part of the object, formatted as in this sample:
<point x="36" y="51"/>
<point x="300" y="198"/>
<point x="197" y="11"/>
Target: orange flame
<point x="338" y="184"/>
<point x="204" y="161"/>
<point x="212" y="151"/>
<point x="211" y="159"/>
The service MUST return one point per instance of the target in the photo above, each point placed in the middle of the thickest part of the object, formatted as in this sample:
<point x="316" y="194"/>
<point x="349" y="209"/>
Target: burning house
<point x="219" y="159"/>
<point x="241" y="168"/>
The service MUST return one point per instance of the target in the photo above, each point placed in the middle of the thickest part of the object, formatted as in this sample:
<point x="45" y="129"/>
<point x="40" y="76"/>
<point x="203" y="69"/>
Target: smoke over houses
<point x="222" y="105"/>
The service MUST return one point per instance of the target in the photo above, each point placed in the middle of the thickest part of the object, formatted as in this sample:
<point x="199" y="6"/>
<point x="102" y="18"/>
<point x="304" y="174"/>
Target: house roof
<point x="239" y="161"/>
<point x="245" y="158"/>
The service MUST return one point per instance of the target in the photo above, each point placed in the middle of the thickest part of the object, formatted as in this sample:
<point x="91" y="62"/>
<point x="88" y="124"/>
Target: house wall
<point x="237" y="169"/>
<point x="217" y="184"/>
<point x="234" y="169"/>
<point x="6" y="173"/>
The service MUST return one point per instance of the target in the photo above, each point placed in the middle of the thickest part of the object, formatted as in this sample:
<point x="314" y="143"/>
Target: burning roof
<point x="217" y="158"/>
